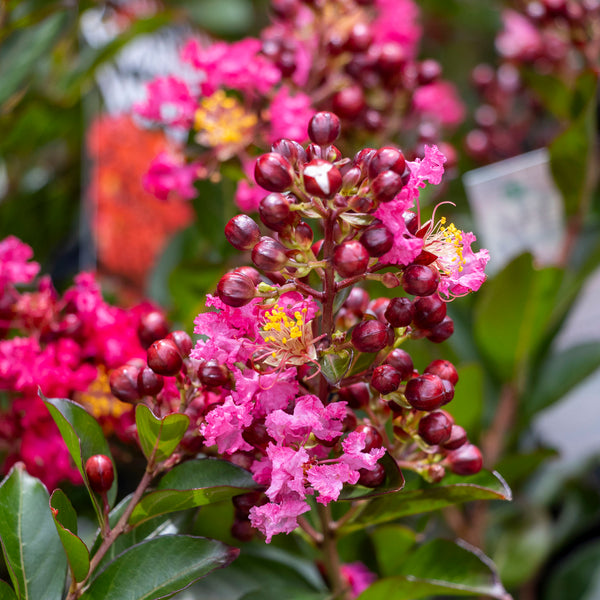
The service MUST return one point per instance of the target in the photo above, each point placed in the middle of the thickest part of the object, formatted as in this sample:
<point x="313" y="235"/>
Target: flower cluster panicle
<point x="356" y="58"/>
<point x="297" y="372"/>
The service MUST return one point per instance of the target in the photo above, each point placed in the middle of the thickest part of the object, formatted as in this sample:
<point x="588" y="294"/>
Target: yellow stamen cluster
<point x="447" y="242"/>
<point x="222" y="121"/>
<point x="454" y="236"/>
<point x="99" y="401"/>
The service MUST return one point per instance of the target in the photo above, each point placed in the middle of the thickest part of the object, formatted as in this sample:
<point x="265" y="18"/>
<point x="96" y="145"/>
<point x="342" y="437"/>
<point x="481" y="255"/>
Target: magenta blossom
<point x="171" y="174"/>
<point x="357" y="575"/>
<point x="439" y="101"/>
<point x="289" y="115"/>
<point x="169" y="101"/>
<point x="14" y="265"/>
<point x="519" y="39"/>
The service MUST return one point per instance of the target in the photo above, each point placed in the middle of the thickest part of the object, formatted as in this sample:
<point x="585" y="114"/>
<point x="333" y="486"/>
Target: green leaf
<point x="440" y="567"/>
<point x="571" y="153"/>
<point x="518" y="467"/>
<point x="191" y="484"/>
<point x="21" y="52"/>
<point x="393" y="482"/>
<point x="335" y="366"/>
<point x="6" y="592"/>
<point x="512" y="313"/>
<point x="560" y="374"/>
<point x="31" y="546"/>
<point x="84" y="438"/>
<point x="392" y="544"/>
<point x="159" y="437"/>
<point x="65" y="519"/>
<point x="554" y="93"/>
<point x="453" y="490"/>
<point x="159" y="567"/>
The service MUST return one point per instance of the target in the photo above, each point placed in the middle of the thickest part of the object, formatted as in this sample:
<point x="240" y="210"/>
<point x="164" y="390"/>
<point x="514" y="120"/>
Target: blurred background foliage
<point x="547" y="541"/>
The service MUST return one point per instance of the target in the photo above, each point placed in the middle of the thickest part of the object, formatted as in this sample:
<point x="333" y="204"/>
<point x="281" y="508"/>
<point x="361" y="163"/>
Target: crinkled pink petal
<point x="224" y="426"/>
<point x="329" y="480"/>
<point x="169" y="174"/>
<point x="358" y="577"/>
<point x="289" y="115"/>
<point x="14" y="265"/>
<point x="169" y="101"/>
<point x="273" y="518"/>
<point x="287" y="472"/>
<point x="439" y="101"/>
<point x="353" y="446"/>
<point x="519" y="39"/>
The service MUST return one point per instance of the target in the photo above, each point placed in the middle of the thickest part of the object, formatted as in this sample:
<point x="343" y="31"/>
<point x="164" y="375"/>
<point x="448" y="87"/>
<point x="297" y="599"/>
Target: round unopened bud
<point x="372" y="478"/>
<point x="273" y="172"/>
<point x="370" y="336"/>
<point x="387" y="158"/>
<point x="274" y="211"/>
<point x="351" y="178"/>
<point x="242" y="232"/>
<point x="324" y="128"/>
<point x="164" y="357"/>
<point x="385" y="379"/>
<point x="466" y="460"/>
<point x="425" y="392"/>
<point x="100" y="473"/>
<point x="420" y="280"/>
<point x="236" y="289"/>
<point x="321" y="178"/>
<point x="390" y="58"/>
<point x="357" y="301"/>
<point x="356" y="395"/>
<point x="360" y="37"/>
<point x="377" y="239"/>
<point x="152" y="326"/>
<point x="390" y="281"/>
<point x="123" y="383"/>
<point x="386" y="186"/>
<point x="429" y="71"/>
<point x="149" y="383"/>
<point x="401" y="361"/>
<point x="349" y="102"/>
<point x="435" y="428"/>
<point x="269" y="254"/>
<point x="443" y="369"/>
<point x="182" y="340"/>
<point x="213" y="374"/>
<point x="373" y="438"/>
<point x="429" y="311"/>
<point x="442" y="331"/>
<point x="399" y="312"/>
<point x="350" y="258"/>
<point x="291" y="150"/>
<point x="458" y="437"/>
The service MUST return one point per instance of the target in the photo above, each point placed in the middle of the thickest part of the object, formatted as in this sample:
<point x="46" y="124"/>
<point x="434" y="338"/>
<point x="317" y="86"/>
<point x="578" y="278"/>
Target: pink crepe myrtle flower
<point x="273" y="518"/>
<point x="224" y="427"/>
<point x="238" y="66"/>
<point x="248" y="193"/>
<point x="169" y="101"/>
<point x="397" y="21"/>
<point x="358" y="576"/>
<point x="14" y="262"/>
<point x="169" y="173"/>
<point x="519" y="39"/>
<point x="439" y="101"/>
<point x="288" y="115"/>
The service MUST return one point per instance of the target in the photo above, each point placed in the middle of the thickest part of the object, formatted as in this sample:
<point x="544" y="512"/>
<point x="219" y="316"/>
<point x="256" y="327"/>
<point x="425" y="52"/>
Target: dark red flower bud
<point x="425" y="392"/>
<point x="442" y="331"/>
<point x="100" y="473"/>
<point x="448" y="391"/>
<point x="377" y="239"/>
<point x="321" y="178"/>
<point x="273" y="172"/>
<point x="370" y="336"/>
<point x="466" y="460"/>
<point x="435" y="428"/>
<point x="386" y="186"/>
<point x="249" y="272"/>
<point x="359" y="38"/>
<point x="183" y="341"/>
<point x="378" y="308"/>
<point x="385" y="379"/>
<point x="350" y="258"/>
<point x="387" y="158"/>
<point x="458" y="437"/>
<point x="123" y="383"/>
<point x="149" y="383"/>
<point x="444" y="369"/>
<point x="236" y="289"/>
<point x="303" y="235"/>
<point x="153" y="326"/>
<point x="269" y="254"/>
<point x="351" y="178"/>
<point x="401" y="361"/>
<point x="429" y="71"/>
<point x="274" y="211"/>
<point x="362" y="159"/>
<point x="373" y="438"/>
<point x="324" y="128"/>
<point x="242" y="530"/>
<point x="391" y="57"/>
<point x="429" y="311"/>
<point x="291" y="150"/>
<point x="373" y="478"/>
<point x="357" y="301"/>
<point x="349" y="102"/>
<point x="435" y="473"/>
<point x="356" y="395"/>
<point x="213" y="374"/>
<point x="373" y="120"/>
<point x="242" y="232"/>
<point x="420" y="280"/>
<point x="285" y="9"/>
<point x="399" y="312"/>
<point x="164" y="357"/>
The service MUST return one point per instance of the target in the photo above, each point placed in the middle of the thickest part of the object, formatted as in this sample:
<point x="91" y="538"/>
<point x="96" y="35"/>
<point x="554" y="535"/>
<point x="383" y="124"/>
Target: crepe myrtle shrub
<point x="299" y="390"/>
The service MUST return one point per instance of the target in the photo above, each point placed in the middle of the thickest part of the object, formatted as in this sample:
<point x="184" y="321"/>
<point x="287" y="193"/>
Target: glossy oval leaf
<point x="335" y="366"/>
<point x="392" y="543"/>
<point x="191" y="484"/>
<point x="513" y="311"/>
<point x="6" y="592"/>
<point x="65" y="520"/>
<point x="453" y="490"/>
<point x="393" y="482"/>
<point x="159" y="567"/>
<point x="32" y="549"/>
<point x="84" y="438"/>
<point x="440" y="567"/>
<point x="159" y="437"/>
